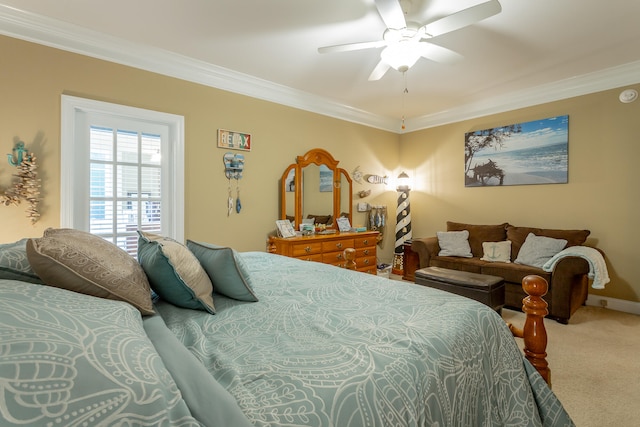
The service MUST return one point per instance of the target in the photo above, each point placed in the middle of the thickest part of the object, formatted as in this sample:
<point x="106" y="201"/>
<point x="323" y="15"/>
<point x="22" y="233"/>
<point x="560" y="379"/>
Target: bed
<point x="297" y="344"/>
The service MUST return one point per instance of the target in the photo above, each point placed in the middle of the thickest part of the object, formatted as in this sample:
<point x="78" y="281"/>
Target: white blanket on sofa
<point x="597" y="266"/>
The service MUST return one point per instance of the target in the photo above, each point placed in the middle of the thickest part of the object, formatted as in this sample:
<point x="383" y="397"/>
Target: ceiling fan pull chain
<point x="404" y="94"/>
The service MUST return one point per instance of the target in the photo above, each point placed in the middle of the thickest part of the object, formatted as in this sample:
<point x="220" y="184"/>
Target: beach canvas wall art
<point x="534" y="152"/>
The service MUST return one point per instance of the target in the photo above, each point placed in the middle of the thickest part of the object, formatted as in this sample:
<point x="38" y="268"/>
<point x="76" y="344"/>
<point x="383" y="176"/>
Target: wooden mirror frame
<point x="316" y="156"/>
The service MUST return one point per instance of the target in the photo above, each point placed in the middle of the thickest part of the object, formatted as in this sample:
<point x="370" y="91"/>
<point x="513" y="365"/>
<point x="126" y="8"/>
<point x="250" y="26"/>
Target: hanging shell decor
<point x="27" y="186"/>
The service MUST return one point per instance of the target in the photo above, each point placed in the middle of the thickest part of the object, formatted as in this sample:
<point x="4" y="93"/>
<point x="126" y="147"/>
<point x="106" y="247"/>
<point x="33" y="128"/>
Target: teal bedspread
<point x="68" y="359"/>
<point x="330" y="347"/>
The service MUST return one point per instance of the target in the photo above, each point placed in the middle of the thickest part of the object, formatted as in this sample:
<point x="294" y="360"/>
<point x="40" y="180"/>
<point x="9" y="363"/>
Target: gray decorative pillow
<point x="496" y="251"/>
<point x="537" y="250"/>
<point x="227" y="270"/>
<point x="454" y="243"/>
<point x="88" y="264"/>
<point x="175" y="273"/>
<point x="14" y="263"/>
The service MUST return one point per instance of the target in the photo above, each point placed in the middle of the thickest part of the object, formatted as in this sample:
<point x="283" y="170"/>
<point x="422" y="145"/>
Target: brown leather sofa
<point x="568" y="282"/>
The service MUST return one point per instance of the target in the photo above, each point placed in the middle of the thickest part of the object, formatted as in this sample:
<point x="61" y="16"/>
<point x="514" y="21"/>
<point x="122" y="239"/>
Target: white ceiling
<point x="533" y="51"/>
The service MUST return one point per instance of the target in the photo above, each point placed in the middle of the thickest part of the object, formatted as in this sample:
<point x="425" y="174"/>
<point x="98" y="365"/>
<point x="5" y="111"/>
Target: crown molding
<point x="42" y="30"/>
<point x="585" y="84"/>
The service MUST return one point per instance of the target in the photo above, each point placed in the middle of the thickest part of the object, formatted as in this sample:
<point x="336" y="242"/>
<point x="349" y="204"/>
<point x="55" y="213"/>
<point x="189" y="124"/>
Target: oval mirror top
<point x="315" y="190"/>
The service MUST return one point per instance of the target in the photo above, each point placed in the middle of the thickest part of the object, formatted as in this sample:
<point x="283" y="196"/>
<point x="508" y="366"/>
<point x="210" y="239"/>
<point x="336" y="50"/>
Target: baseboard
<point x="614" y="304"/>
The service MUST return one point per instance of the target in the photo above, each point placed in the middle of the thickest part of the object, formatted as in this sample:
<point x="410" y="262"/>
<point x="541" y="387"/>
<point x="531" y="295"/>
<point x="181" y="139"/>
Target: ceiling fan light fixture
<point x="401" y="55"/>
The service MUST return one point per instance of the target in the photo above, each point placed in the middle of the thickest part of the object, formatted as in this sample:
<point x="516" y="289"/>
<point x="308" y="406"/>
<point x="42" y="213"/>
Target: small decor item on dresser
<point x="343" y="224"/>
<point x="285" y="229"/>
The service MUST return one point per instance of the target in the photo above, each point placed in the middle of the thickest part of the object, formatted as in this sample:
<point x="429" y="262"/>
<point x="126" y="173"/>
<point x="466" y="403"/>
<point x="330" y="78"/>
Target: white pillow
<point x="537" y="250"/>
<point x="496" y="251"/>
<point x="454" y="243"/>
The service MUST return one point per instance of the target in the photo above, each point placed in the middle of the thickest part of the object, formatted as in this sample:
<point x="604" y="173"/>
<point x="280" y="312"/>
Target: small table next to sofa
<point x="484" y="288"/>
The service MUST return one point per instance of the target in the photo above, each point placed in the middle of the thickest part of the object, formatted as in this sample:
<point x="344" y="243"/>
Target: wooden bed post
<point x="534" y="332"/>
<point x="350" y="256"/>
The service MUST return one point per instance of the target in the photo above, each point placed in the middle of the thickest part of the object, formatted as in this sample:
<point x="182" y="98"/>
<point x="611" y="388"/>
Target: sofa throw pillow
<point x="226" y="269"/>
<point x="454" y="243"/>
<point x="517" y="235"/>
<point x="83" y="262"/>
<point x="537" y="250"/>
<point x="496" y="251"/>
<point x="175" y="273"/>
<point x="14" y="263"/>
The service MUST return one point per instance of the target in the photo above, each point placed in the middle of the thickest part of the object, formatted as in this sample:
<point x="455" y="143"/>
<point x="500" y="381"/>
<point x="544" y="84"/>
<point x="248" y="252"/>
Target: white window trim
<point x="71" y="153"/>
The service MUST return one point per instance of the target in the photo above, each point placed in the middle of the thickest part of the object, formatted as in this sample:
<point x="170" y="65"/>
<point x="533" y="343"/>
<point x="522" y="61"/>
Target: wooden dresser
<point x="328" y="248"/>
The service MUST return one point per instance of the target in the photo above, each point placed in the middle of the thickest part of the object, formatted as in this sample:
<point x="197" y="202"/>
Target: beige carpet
<point x="595" y="365"/>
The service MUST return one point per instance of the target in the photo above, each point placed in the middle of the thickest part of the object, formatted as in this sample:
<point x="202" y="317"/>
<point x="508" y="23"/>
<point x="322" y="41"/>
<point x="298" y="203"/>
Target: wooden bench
<point x="486" y="289"/>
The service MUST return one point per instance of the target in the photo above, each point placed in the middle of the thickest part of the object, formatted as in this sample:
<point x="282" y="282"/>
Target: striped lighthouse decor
<point x="403" y="223"/>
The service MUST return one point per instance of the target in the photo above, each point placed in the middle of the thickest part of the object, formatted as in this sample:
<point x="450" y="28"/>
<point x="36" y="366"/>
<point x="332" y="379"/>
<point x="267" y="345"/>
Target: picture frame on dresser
<point x="285" y="229"/>
<point x="343" y="224"/>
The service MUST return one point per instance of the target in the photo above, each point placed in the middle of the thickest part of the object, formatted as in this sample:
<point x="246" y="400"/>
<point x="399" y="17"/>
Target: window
<point x="122" y="170"/>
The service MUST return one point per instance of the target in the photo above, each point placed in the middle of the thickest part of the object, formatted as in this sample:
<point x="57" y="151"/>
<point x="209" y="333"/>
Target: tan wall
<point x="33" y="77"/>
<point x="602" y="194"/>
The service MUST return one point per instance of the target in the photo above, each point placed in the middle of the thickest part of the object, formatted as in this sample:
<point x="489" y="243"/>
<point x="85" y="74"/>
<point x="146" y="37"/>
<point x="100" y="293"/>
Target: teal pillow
<point x="14" y="263"/>
<point x="227" y="270"/>
<point x="174" y="272"/>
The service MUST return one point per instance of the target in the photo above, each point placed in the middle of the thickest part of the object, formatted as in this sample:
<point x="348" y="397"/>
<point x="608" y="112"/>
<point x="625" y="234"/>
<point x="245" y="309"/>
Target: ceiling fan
<point x="405" y="42"/>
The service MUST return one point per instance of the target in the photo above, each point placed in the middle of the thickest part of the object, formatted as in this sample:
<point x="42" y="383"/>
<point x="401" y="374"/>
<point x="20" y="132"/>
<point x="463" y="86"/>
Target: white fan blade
<point x="352" y="46"/>
<point x="463" y="18"/>
<point x="379" y="71"/>
<point x="391" y="13"/>
<point x="438" y="53"/>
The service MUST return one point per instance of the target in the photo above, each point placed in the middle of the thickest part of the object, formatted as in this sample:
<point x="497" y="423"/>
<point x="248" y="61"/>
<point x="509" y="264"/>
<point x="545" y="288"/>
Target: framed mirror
<point x="316" y="190"/>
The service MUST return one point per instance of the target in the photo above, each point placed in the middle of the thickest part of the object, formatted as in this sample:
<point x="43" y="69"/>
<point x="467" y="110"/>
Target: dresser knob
<point x="339" y="256"/>
<point x="366" y="251"/>
<point x="366" y="241"/>
<point x="339" y="245"/>
<point x="307" y="249"/>
<point x="366" y="261"/>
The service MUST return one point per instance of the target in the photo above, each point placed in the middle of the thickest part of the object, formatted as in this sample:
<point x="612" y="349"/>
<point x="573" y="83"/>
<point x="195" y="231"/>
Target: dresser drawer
<point x="306" y="248"/>
<point x="366" y="262"/>
<point x="371" y="270"/>
<point x="313" y="257"/>
<point x="335" y="258"/>
<point x="337" y="245"/>
<point x="361" y="242"/>
<point x="366" y="252"/>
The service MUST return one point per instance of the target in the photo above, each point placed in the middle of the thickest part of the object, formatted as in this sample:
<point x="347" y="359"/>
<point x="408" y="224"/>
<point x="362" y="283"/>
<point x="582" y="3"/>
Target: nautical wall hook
<point x="233" y="167"/>
<point x="18" y="151"/>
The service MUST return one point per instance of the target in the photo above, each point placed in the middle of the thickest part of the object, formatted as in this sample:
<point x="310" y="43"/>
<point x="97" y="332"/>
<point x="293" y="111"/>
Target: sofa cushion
<point x="518" y="235"/>
<point x="480" y="233"/>
<point x="454" y="243"/>
<point x="513" y="273"/>
<point x="471" y="265"/>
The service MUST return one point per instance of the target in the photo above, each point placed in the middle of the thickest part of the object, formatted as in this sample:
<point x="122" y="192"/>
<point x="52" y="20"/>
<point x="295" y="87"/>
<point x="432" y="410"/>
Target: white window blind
<point x="125" y="185"/>
<point x="122" y="170"/>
